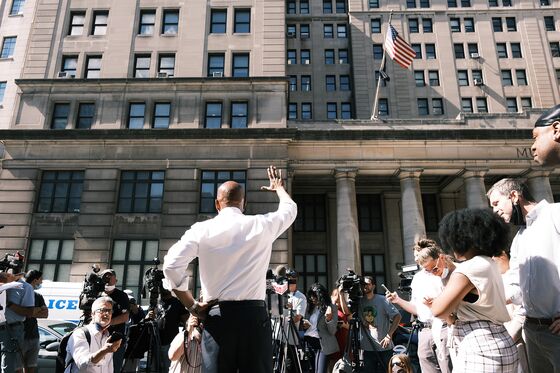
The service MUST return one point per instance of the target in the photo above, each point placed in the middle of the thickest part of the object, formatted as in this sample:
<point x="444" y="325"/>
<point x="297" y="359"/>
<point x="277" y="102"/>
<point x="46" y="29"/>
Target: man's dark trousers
<point x="237" y="337"/>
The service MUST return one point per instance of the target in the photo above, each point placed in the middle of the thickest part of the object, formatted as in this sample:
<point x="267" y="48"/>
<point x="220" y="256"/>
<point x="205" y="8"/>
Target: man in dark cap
<point x="546" y="148"/>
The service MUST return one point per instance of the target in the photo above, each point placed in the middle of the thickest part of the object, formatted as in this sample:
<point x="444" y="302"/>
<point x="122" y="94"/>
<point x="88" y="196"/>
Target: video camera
<point x="153" y="283"/>
<point x="13" y="262"/>
<point x="353" y="285"/>
<point x="94" y="285"/>
<point x="406" y="275"/>
<point x="278" y="284"/>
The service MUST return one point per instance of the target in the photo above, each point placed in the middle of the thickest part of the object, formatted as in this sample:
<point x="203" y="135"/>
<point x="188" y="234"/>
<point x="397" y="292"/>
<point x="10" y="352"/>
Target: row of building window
<point x="165" y="65"/>
<point x="328" y="31"/>
<point x="467" y="24"/>
<point x="241" y="21"/>
<point x="334" y="111"/>
<point x="453" y="3"/>
<point x="131" y="258"/>
<point x="160" y="115"/>
<point x="459" y="50"/>
<point x="424" y="107"/>
<point x="139" y="192"/>
<point x="169" y="22"/>
<point x="482" y="104"/>
<point x="330" y="83"/>
<point x="305" y="56"/>
<point x="512" y="105"/>
<point x="292" y="6"/>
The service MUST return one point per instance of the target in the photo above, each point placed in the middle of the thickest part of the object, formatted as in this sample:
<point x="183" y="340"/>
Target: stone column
<point x="411" y="210"/>
<point x="539" y="185"/>
<point x="475" y="190"/>
<point x="347" y="237"/>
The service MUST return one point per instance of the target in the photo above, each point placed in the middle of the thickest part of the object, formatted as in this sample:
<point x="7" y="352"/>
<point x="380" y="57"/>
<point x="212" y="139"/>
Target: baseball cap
<point x="550" y="116"/>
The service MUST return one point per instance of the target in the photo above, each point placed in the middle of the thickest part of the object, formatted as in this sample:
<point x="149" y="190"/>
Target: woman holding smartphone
<point x="475" y="293"/>
<point x="320" y="326"/>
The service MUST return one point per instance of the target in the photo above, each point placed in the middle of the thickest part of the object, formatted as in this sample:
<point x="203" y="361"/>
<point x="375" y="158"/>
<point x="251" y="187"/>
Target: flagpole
<point x="382" y="68"/>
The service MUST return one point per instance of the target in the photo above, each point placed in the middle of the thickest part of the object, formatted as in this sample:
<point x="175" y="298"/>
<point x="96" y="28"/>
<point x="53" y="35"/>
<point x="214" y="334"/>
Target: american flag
<point x="399" y="50"/>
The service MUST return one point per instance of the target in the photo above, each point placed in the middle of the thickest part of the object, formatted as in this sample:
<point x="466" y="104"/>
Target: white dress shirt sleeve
<point x="78" y="349"/>
<point x="281" y="219"/>
<point x="513" y="287"/>
<point x="178" y="258"/>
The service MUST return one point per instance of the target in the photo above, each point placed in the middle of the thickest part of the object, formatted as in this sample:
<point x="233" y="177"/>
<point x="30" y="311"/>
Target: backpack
<point x="61" y="352"/>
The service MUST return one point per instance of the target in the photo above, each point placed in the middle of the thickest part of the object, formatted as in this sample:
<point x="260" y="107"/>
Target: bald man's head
<point x="230" y="194"/>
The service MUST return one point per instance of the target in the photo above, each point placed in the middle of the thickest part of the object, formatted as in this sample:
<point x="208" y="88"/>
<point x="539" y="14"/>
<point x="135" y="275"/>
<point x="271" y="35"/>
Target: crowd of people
<point x="480" y="305"/>
<point x="468" y="322"/>
<point x="20" y="307"/>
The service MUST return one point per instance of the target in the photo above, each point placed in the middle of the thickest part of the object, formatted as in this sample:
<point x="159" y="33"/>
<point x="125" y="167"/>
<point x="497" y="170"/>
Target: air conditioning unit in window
<point x="217" y="74"/>
<point x="162" y="74"/>
<point x="289" y="62"/>
<point x="475" y="56"/>
<point x="64" y="75"/>
<point x="306" y="62"/>
<point x="291" y="34"/>
<point x="342" y="62"/>
<point x="478" y="82"/>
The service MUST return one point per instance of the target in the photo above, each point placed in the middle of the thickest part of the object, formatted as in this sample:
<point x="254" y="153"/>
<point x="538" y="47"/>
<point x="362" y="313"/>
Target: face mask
<point x="110" y="287"/>
<point x="37" y="287"/>
<point x="445" y="273"/>
<point x="516" y="214"/>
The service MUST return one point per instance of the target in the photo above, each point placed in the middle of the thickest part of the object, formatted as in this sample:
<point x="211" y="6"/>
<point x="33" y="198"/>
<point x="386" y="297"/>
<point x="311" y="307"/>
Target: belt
<point x="537" y="321"/>
<point x="242" y="303"/>
<point x="5" y="325"/>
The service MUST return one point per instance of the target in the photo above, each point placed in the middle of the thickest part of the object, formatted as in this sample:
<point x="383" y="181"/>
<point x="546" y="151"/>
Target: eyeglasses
<point x="397" y="364"/>
<point x="104" y="310"/>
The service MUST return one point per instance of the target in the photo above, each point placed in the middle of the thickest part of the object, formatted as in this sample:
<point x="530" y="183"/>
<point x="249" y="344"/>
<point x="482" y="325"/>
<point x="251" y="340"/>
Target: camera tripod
<point x="283" y="347"/>
<point x="147" y="339"/>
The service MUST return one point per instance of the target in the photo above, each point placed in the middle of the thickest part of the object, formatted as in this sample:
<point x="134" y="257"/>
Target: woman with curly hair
<point x="320" y="326"/>
<point x="475" y="293"/>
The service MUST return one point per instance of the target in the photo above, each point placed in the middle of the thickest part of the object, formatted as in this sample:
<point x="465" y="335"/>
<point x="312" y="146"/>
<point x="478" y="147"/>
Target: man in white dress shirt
<point x="535" y="260"/>
<point x="233" y="253"/>
<point x="95" y="356"/>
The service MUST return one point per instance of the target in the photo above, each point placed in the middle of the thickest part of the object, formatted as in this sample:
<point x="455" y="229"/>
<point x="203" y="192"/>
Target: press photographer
<point x="155" y="333"/>
<point x="169" y="314"/>
<point x="291" y="306"/>
<point x="119" y="314"/>
<point x="92" y="288"/>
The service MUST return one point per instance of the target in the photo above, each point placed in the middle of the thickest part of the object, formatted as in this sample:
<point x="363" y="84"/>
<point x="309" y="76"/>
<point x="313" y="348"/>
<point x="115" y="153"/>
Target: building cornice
<point x="190" y="83"/>
<point x="269" y="133"/>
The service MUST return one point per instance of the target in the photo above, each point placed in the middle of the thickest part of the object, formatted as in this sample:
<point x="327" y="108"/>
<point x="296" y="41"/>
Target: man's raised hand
<point x="275" y="178"/>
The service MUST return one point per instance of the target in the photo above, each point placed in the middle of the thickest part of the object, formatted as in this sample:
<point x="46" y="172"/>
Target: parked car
<point x="50" y="334"/>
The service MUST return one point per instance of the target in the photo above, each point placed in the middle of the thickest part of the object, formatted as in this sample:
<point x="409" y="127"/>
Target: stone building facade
<point x="129" y="115"/>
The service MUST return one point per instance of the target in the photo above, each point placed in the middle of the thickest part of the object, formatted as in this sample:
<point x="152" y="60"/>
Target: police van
<point x="62" y="299"/>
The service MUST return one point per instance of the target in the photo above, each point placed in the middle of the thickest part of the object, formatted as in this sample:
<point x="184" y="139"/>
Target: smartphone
<point x="115" y="336"/>
<point x="385" y="288"/>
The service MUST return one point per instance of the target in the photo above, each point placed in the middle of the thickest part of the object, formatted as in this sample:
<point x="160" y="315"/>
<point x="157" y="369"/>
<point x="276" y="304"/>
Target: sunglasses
<point x="435" y="269"/>
<point x="397" y="364"/>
